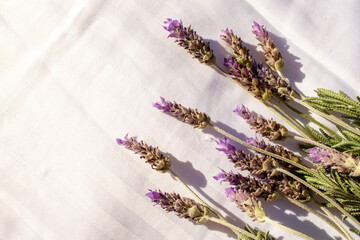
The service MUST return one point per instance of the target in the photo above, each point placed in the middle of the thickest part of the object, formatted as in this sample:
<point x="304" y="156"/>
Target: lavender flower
<point x="294" y="189"/>
<point x="175" y="28"/>
<point x="266" y="179"/>
<point x="260" y="166"/>
<point x="331" y="158"/>
<point x="277" y="149"/>
<point x="240" y="52"/>
<point x="260" y="188"/>
<point x="249" y="204"/>
<point x="225" y="146"/>
<point x="188" y="115"/>
<point x="267" y="128"/>
<point x="153" y="156"/>
<point x="188" y="39"/>
<point x="260" y="32"/>
<point x="241" y="67"/>
<point x="276" y="84"/>
<point x="182" y="206"/>
<point x="272" y="55"/>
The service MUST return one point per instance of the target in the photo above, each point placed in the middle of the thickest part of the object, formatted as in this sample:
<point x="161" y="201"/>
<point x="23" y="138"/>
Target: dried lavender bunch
<point x="272" y="55"/>
<point x="152" y="155"/>
<point x="330" y="158"/>
<point x="188" y="115"/>
<point x="182" y="206"/>
<point x="267" y="128"/>
<point x="264" y="168"/>
<point x="188" y="39"/>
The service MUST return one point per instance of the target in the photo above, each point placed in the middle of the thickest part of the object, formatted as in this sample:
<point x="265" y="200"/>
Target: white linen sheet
<point x="75" y="75"/>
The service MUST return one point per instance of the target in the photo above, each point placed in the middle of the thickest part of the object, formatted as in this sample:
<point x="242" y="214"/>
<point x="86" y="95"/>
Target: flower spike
<point x="153" y="156"/>
<point x="188" y="39"/>
<point x="188" y="115"/>
<point x="182" y="206"/>
<point x="272" y="55"/>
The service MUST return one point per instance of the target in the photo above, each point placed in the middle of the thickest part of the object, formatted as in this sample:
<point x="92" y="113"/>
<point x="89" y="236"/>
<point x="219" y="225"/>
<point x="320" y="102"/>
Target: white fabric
<point x="75" y="75"/>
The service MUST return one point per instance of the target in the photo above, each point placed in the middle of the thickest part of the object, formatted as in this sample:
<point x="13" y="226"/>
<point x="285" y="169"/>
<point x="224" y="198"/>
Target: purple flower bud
<point x="266" y="127"/>
<point x="126" y="142"/>
<point x="163" y="105"/>
<point x="242" y="112"/>
<point x="175" y="28"/>
<point x="249" y="204"/>
<point x="316" y="155"/>
<point x="188" y="115"/>
<point x="225" y="146"/>
<point x="272" y="55"/>
<point x="153" y="156"/>
<point x="221" y="176"/>
<point x="229" y="192"/>
<point x="331" y="158"/>
<point x="188" y="39"/>
<point x="153" y="195"/>
<point x="230" y="62"/>
<point x="232" y="178"/>
<point x="181" y="206"/>
<point x="260" y="32"/>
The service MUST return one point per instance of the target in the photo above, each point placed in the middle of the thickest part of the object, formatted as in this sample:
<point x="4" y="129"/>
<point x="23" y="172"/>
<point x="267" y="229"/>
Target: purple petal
<point x="123" y="142"/>
<point x="153" y="195"/>
<point x="229" y="192"/>
<point x="221" y="176"/>
<point x="225" y="146"/>
<point x="251" y="141"/>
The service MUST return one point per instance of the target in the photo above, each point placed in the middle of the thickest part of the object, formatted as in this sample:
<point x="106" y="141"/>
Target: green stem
<point x="177" y="178"/>
<point x="343" y="230"/>
<point x="292" y="124"/>
<point x="328" y="116"/>
<point x="302" y="130"/>
<point x="232" y="227"/>
<point x="304" y="140"/>
<point x="276" y="224"/>
<point x="330" y="200"/>
<point x="314" y="121"/>
<point x="306" y="208"/>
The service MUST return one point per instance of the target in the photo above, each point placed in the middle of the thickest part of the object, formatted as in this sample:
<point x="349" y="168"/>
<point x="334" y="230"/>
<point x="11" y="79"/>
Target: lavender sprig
<point x="188" y="115"/>
<point x="272" y="55"/>
<point x="152" y="155"/>
<point x="262" y="168"/>
<point x="256" y="78"/>
<point x="188" y="39"/>
<point x="182" y="206"/>
<point x="331" y="158"/>
<point x="277" y="149"/>
<point x="267" y="128"/>
<point x="241" y="67"/>
<point x="188" y="208"/>
<point x="260" y="188"/>
<point x="240" y="53"/>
